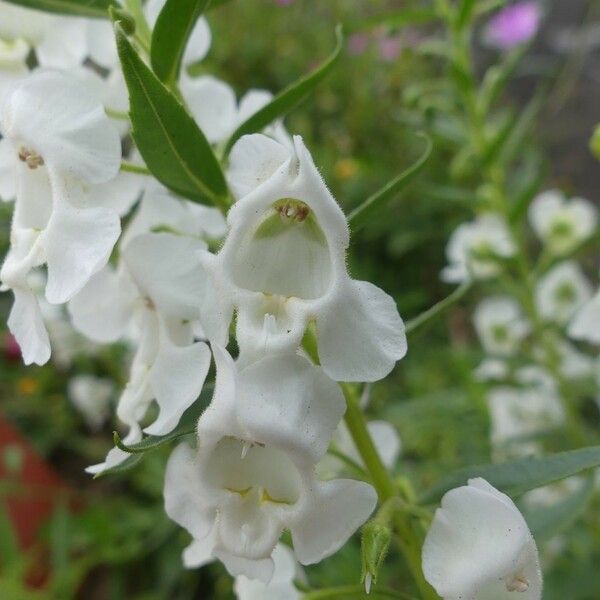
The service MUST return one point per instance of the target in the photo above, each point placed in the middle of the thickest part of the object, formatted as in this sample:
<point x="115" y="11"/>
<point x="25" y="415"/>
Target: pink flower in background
<point x="358" y="43"/>
<point x="284" y="2"/>
<point x="390" y="47"/>
<point x="514" y="25"/>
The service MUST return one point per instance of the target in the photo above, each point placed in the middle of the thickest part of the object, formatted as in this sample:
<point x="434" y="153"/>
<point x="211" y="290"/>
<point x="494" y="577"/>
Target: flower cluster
<point x="528" y="328"/>
<point x="158" y="286"/>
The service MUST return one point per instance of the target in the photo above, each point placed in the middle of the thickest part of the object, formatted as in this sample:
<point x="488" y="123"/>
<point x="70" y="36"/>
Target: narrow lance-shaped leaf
<point x="519" y="476"/>
<point x="547" y="521"/>
<point x="173" y="147"/>
<point x="97" y="9"/>
<point x="126" y="465"/>
<point x="171" y="33"/>
<point x="287" y="99"/>
<point x="361" y="214"/>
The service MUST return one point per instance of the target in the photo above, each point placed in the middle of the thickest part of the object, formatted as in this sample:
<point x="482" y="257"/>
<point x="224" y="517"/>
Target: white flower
<point x="385" y="439"/>
<point x="585" y="325"/>
<point x="561" y="292"/>
<point x="214" y="107"/>
<point x="475" y="249"/>
<point x="562" y="224"/>
<point x="491" y="369"/>
<point x="479" y="547"/>
<point x="253" y="474"/>
<point x="91" y="396"/>
<point x="61" y="143"/>
<point x="281" y="586"/>
<point x="59" y="42"/>
<point x="283" y="265"/>
<point x="156" y="288"/>
<point x="500" y="325"/>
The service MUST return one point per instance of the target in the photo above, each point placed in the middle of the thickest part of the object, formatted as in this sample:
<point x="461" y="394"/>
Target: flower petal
<point x="335" y="511"/>
<point x="167" y="270"/>
<point x="477" y="538"/>
<point x="78" y="242"/>
<point x="253" y="159"/>
<point x="212" y="104"/>
<point x="25" y="322"/>
<point x="53" y="114"/>
<point x="287" y="402"/>
<point x="103" y="309"/>
<point x="181" y="493"/>
<point x="361" y="336"/>
<point x="177" y="377"/>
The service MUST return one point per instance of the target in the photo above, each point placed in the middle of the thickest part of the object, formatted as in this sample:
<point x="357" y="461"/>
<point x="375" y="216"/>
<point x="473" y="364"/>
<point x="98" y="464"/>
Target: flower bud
<point x="376" y="539"/>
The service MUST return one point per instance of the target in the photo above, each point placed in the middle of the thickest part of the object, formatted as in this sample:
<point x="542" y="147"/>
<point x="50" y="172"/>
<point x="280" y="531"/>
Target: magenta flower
<point x="358" y="43"/>
<point x="514" y="25"/>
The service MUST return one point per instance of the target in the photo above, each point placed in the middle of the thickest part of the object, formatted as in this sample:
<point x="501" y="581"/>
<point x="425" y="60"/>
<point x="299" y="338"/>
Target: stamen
<point x="518" y="584"/>
<point x="32" y="159"/>
<point x="245" y="448"/>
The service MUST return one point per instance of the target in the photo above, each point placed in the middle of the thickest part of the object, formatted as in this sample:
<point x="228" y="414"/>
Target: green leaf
<point x="173" y="28"/>
<point x="170" y="142"/>
<point x="519" y="476"/>
<point x="97" y="9"/>
<point x="465" y="12"/>
<point x="361" y="214"/>
<point x="187" y="425"/>
<point x="547" y="521"/>
<point x="126" y="465"/>
<point x="289" y="98"/>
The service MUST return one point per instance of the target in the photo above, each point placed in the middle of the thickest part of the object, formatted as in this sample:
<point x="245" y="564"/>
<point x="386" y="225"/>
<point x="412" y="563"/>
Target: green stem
<point x="408" y="538"/>
<point x="131" y="168"/>
<point x="117" y="114"/>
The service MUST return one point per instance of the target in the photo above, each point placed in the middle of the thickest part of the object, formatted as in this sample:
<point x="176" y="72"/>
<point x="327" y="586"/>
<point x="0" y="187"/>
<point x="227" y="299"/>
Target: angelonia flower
<point x="60" y="144"/>
<point x="514" y="25"/>
<point x="561" y="292"/>
<point x="252" y="474"/>
<point x="500" y="325"/>
<point x="476" y="249"/>
<point x="283" y="266"/>
<point x="479" y="546"/>
<point x="562" y="224"/>
<point x="281" y="587"/>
